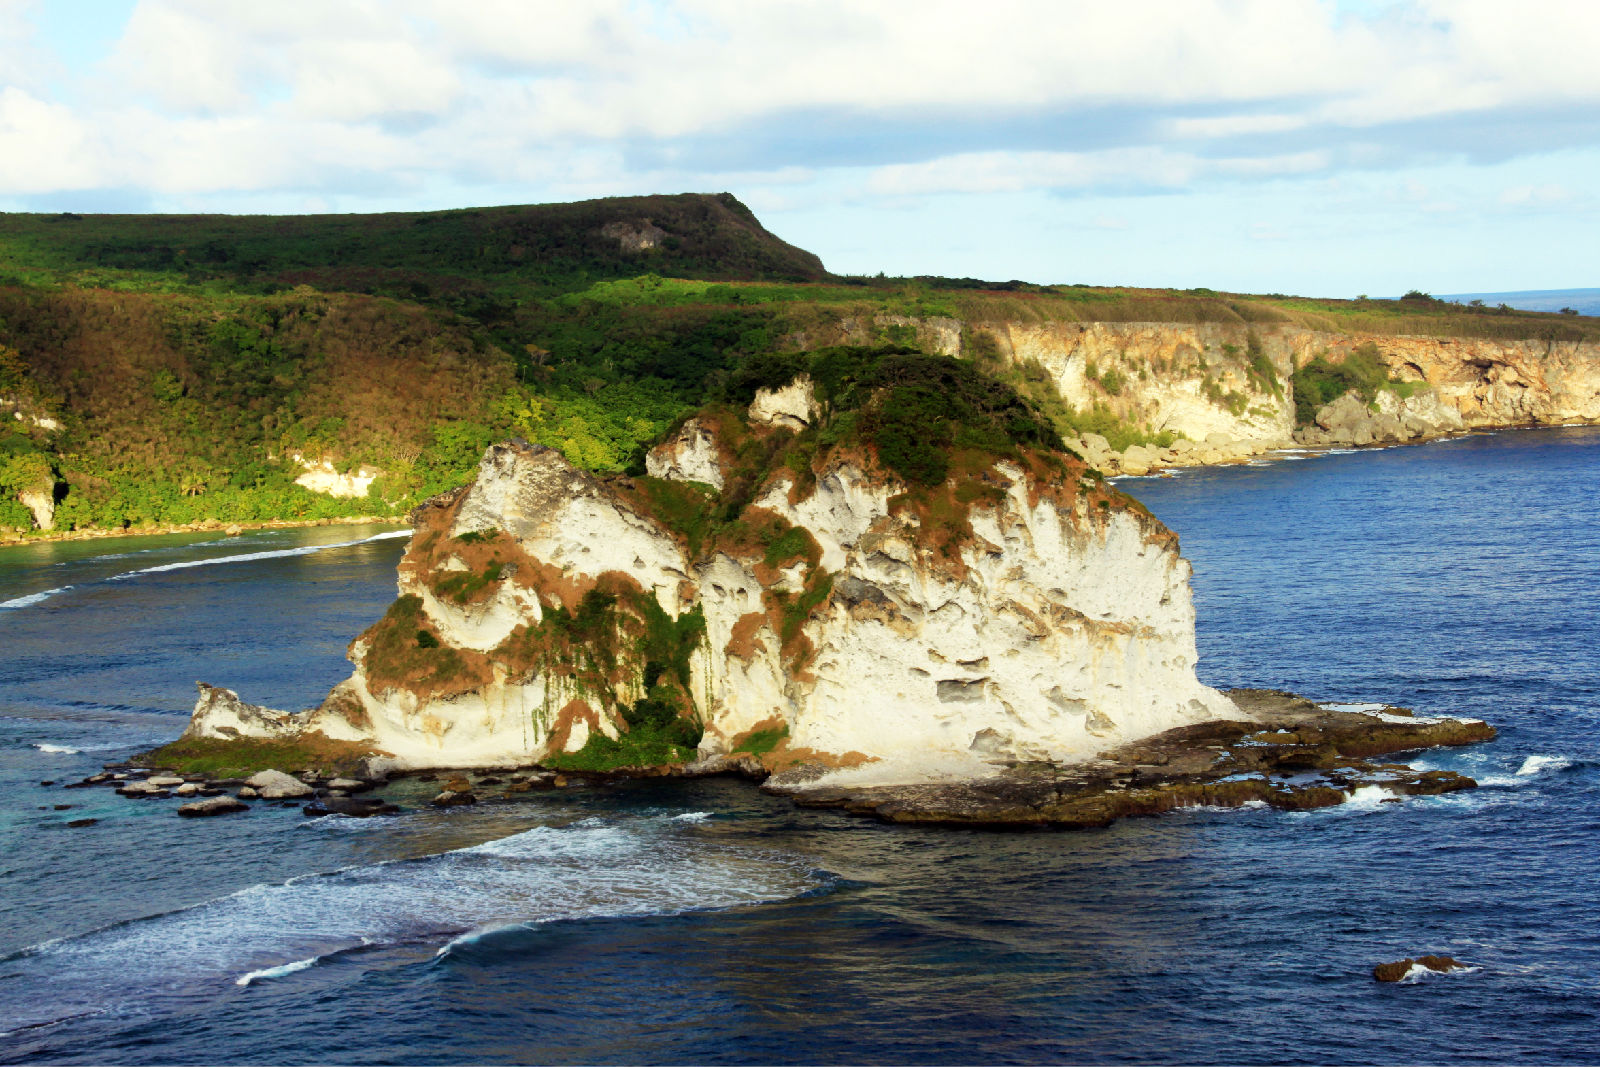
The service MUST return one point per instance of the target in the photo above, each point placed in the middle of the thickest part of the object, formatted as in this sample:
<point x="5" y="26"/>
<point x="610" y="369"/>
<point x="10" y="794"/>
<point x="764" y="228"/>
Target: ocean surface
<point x="707" y="923"/>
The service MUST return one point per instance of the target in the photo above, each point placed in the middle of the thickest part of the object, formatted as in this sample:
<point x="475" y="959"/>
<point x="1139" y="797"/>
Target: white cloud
<point x="327" y="96"/>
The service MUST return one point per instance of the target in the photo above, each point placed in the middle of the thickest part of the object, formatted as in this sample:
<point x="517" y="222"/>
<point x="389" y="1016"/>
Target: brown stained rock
<point x="452" y="798"/>
<point x="1394" y="972"/>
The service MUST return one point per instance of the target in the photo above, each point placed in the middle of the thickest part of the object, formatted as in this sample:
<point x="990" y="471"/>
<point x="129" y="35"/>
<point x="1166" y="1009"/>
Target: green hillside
<point x="169" y="369"/>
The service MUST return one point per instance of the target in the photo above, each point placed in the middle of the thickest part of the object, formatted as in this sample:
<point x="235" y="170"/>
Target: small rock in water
<point x="214" y="806"/>
<point x="359" y="808"/>
<point x="275" y="785"/>
<point x="458" y="785"/>
<point x="165" y="781"/>
<point x="49" y="783"/>
<point x="349" y="785"/>
<point x="247" y="792"/>
<point x="452" y="798"/>
<point x="1394" y="972"/>
<point x="75" y="823"/>
<point x="234" y="530"/>
<point x="64" y="807"/>
<point x="187" y="789"/>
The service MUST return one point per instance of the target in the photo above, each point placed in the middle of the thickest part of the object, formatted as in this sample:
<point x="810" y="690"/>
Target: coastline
<point x="11" y="539"/>
<point x="1251" y="453"/>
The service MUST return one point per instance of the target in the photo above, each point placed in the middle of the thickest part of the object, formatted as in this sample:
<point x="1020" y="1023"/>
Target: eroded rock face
<point x="689" y="455"/>
<point x="831" y="621"/>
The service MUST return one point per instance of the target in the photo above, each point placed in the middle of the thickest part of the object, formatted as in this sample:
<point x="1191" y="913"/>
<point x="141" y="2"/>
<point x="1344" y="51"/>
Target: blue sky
<point x="1259" y="145"/>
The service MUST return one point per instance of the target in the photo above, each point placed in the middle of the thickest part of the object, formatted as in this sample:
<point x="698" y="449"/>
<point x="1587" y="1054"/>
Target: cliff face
<point x="1226" y="390"/>
<point x="831" y="616"/>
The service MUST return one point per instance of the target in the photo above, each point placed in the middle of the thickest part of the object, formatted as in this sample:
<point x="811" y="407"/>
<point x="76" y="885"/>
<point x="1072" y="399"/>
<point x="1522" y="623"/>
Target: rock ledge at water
<point x="1282" y="751"/>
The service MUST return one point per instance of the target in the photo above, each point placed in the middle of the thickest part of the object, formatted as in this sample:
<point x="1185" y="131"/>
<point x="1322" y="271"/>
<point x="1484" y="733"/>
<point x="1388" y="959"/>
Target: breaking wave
<point x="590" y="869"/>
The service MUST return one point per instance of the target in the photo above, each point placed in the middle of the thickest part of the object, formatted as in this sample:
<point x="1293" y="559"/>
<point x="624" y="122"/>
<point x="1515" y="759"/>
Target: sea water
<point x="705" y="922"/>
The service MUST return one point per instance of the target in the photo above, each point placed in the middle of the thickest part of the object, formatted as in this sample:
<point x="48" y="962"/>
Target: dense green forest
<point x="174" y="369"/>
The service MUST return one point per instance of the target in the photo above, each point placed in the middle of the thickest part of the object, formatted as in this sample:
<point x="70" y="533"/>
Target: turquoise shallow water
<point x="704" y="922"/>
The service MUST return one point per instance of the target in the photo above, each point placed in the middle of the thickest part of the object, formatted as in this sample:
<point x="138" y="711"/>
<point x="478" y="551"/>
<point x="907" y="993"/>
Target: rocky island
<point x="874" y="578"/>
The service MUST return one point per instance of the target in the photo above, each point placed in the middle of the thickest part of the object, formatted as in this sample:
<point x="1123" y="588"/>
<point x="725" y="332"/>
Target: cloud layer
<point x="227" y="103"/>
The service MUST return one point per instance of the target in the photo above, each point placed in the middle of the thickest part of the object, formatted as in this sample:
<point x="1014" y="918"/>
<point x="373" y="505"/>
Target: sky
<point x="1301" y="146"/>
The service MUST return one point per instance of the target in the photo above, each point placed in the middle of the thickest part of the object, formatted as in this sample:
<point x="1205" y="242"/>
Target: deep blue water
<point x="705" y="922"/>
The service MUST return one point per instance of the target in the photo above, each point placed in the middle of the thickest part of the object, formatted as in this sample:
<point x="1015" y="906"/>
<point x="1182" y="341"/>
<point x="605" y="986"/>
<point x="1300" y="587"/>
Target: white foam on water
<point x="1532" y="768"/>
<point x="276" y="972"/>
<point x="32" y="598"/>
<point x="590" y="869"/>
<point x="247" y="557"/>
<point x="1369" y="798"/>
<point x="1208" y="809"/>
<point x="62" y="749"/>
<point x="1535" y="765"/>
<point x="692" y="816"/>
<point x="1417" y="972"/>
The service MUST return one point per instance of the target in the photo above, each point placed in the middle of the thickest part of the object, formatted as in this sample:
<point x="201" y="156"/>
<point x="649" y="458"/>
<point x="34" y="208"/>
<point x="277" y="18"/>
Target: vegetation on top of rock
<point x="1362" y="372"/>
<point x="912" y="409"/>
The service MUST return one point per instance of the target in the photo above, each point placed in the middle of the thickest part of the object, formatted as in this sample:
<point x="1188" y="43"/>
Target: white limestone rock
<point x="1060" y="629"/>
<point x="690" y="455"/>
<point x="794" y="406"/>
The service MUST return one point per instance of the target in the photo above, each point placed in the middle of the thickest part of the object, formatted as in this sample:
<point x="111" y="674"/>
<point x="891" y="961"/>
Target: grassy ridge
<point x="169" y="368"/>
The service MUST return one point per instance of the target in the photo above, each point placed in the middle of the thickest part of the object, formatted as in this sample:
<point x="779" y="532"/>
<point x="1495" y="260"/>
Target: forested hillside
<point x="171" y="369"/>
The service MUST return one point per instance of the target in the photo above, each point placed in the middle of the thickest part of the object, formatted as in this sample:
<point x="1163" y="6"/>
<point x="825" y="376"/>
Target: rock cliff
<point x="1217" y="392"/>
<point x="872" y="564"/>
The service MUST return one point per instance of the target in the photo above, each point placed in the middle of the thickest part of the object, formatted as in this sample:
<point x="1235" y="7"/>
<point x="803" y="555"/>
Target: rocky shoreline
<point x="1286" y="753"/>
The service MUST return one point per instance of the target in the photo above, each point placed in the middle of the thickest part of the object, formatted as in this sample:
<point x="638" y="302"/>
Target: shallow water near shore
<point x="706" y="922"/>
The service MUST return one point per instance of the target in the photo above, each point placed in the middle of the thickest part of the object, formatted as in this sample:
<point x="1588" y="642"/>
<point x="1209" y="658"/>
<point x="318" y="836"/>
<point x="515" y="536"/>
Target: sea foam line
<point x="32" y="598"/>
<point x="242" y="557"/>
<point x="245" y="557"/>
<point x="276" y="972"/>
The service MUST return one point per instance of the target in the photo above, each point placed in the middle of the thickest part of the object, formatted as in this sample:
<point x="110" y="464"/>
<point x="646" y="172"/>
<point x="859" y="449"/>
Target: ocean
<point x="704" y="922"/>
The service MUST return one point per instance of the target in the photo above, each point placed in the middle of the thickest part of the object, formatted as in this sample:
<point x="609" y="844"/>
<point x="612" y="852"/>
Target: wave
<point x="1532" y="769"/>
<point x="589" y="869"/>
<point x="241" y="557"/>
<point x="277" y="972"/>
<point x="32" y="598"/>
<point x="65" y="750"/>
<point x="1539" y="764"/>
<point x="247" y="557"/>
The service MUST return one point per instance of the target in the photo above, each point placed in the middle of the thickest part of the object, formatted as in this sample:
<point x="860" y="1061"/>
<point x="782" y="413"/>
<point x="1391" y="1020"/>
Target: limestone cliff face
<point x="1225" y="388"/>
<point x="842" y="625"/>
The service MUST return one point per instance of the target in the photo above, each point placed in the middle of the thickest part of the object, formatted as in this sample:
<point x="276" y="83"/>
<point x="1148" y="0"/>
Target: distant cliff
<point x="1212" y="392"/>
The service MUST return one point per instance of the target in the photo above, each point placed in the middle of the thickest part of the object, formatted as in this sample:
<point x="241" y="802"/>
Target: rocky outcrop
<point x="42" y="503"/>
<point x="839" y="618"/>
<point x="322" y="476"/>
<point x="1412" y="969"/>
<point x="689" y="454"/>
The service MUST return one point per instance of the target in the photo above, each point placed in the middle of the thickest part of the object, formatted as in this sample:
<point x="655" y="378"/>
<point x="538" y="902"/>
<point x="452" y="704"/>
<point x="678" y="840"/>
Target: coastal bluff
<point x="776" y="587"/>
<point x="866" y="569"/>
